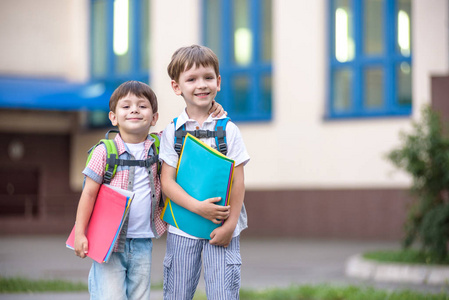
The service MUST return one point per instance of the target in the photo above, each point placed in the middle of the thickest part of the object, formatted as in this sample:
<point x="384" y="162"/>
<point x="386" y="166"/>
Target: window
<point x="120" y="42"/>
<point x="240" y="33"/>
<point x="370" y="58"/>
<point x="120" y="47"/>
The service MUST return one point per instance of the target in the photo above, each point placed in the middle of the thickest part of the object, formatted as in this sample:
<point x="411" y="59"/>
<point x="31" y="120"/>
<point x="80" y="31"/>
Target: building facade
<point x="319" y="89"/>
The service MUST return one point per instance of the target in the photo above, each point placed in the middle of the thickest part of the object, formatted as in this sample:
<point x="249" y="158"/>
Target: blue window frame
<point x="120" y="47"/>
<point x="120" y="41"/>
<point x="240" y="33"/>
<point x="370" y="58"/>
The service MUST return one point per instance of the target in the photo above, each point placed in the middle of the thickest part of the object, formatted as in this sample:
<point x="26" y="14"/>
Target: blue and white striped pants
<point x="182" y="268"/>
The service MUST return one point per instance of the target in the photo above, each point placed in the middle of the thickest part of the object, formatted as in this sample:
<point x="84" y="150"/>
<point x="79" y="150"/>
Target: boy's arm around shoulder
<point x="222" y="236"/>
<point x="207" y="208"/>
<point x="84" y="211"/>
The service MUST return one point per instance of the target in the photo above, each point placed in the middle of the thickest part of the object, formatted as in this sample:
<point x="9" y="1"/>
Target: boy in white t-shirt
<point x="195" y="76"/>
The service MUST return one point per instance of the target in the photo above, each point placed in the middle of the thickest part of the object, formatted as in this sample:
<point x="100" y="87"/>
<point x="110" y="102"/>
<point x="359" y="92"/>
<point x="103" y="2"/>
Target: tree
<point x="424" y="154"/>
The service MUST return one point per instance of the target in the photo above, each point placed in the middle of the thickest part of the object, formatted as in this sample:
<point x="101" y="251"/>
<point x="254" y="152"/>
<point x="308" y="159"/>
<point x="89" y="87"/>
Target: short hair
<point x="134" y="87"/>
<point x="195" y="55"/>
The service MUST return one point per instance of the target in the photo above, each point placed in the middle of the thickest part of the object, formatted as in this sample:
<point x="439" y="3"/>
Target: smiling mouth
<point x="202" y="94"/>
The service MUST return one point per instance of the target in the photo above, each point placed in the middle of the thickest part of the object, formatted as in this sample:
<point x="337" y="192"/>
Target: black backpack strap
<point x="219" y="134"/>
<point x="112" y="161"/>
<point x="220" y="138"/>
<point x="180" y="134"/>
<point x="146" y="163"/>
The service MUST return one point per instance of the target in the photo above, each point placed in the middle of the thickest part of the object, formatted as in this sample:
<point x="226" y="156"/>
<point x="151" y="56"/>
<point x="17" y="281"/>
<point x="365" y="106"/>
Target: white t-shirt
<point x="139" y="225"/>
<point x="236" y="151"/>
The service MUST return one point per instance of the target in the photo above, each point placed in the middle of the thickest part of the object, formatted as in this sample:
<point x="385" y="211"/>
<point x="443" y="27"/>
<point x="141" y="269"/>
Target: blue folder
<point x="203" y="173"/>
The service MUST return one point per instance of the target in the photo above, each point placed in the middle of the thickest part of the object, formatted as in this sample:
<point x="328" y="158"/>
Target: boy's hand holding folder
<point x="206" y="175"/>
<point x="208" y="209"/>
<point x="109" y="213"/>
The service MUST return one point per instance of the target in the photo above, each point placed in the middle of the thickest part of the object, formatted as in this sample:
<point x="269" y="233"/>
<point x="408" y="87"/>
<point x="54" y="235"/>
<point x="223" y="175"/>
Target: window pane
<point x="344" y="39"/>
<point x="266" y="88"/>
<point x="121" y="36"/>
<point x="98" y="119"/>
<point x="145" y="40"/>
<point x="99" y="59"/>
<point x="243" y="39"/>
<point x="240" y="94"/>
<point x="342" y="90"/>
<point x="373" y="27"/>
<point x="404" y="93"/>
<point x="403" y="22"/>
<point x="213" y="28"/>
<point x="267" y="32"/>
<point x="373" y="97"/>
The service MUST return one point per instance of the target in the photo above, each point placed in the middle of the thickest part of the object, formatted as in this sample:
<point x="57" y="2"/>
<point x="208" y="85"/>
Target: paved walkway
<point x="266" y="263"/>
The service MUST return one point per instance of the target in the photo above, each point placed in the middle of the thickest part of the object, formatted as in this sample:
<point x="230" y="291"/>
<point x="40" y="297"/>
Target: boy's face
<point x="198" y="86"/>
<point x="133" y="115"/>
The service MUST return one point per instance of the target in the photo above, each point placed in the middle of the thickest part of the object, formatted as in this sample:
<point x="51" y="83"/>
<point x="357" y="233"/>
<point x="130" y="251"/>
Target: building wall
<point x="45" y="38"/>
<point x="317" y="173"/>
<point x="299" y="148"/>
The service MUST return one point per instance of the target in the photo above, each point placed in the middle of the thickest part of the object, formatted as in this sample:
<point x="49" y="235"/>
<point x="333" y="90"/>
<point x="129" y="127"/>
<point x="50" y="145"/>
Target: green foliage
<point x="22" y="285"/>
<point x="406" y="256"/>
<point x="424" y="154"/>
<point x="328" y="292"/>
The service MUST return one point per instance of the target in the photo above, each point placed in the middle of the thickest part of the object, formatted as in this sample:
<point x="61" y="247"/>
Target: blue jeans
<point x="126" y="275"/>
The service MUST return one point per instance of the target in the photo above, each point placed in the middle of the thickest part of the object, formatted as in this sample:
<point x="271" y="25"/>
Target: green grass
<point x="408" y="256"/>
<point x="23" y="285"/>
<point x="297" y="292"/>
<point x="327" y="292"/>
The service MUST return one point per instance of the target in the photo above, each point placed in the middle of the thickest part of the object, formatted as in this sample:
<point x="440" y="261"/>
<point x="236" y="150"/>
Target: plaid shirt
<point x="124" y="179"/>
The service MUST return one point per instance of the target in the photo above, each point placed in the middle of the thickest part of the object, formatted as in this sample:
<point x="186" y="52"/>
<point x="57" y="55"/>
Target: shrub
<point x="424" y="154"/>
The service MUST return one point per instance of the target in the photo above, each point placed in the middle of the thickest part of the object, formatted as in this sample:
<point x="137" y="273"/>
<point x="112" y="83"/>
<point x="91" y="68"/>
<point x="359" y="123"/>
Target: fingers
<point x="220" y="216"/>
<point x="214" y="200"/>
<point x="213" y="109"/>
<point x="83" y="252"/>
<point x="213" y="212"/>
<point x="85" y="249"/>
<point x="214" y="241"/>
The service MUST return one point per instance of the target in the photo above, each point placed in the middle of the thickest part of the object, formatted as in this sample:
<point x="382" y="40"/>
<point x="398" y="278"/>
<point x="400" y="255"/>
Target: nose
<point x="201" y="83"/>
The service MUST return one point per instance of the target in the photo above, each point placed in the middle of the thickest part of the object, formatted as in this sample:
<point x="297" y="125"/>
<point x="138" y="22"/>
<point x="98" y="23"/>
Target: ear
<point x="155" y="118"/>
<point x="218" y="83"/>
<point x="113" y="118"/>
<point x="176" y="88"/>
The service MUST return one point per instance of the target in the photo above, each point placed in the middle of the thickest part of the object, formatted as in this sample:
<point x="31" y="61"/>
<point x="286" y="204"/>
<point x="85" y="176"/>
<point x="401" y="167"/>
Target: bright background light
<point x="344" y="45"/>
<point x="404" y="33"/>
<point x="243" y="46"/>
<point x="121" y="26"/>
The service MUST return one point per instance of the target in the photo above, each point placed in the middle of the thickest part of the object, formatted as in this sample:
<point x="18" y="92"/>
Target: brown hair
<point x="137" y="88"/>
<point x="186" y="57"/>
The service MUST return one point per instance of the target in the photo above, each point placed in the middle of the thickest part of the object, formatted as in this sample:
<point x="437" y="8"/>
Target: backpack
<point x="112" y="160"/>
<point x="219" y="134"/>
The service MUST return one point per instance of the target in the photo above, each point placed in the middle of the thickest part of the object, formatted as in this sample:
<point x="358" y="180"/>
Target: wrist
<point x="229" y="225"/>
<point x="195" y="206"/>
<point x="79" y="231"/>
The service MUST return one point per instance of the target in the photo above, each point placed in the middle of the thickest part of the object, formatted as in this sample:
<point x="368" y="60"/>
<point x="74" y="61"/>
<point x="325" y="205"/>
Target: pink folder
<point x="105" y="222"/>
